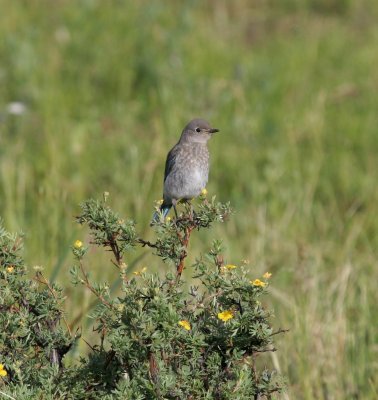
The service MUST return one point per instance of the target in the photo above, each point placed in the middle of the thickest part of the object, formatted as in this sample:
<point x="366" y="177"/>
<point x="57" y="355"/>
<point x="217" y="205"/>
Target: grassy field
<point x="293" y="87"/>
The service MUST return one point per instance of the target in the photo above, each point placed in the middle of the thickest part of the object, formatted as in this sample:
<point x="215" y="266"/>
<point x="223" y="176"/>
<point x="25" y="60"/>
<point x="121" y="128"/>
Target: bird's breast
<point x="189" y="174"/>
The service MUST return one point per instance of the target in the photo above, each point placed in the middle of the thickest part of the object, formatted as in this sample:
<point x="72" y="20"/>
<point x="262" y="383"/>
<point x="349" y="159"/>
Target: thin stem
<point x="7" y="395"/>
<point x="147" y="243"/>
<point x="185" y="243"/>
<point x="91" y="288"/>
<point x="280" y="331"/>
<point x="46" y="282"/>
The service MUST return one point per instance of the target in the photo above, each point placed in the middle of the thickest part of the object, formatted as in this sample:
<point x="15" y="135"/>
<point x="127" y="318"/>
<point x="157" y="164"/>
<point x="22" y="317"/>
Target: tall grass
<point x="108" y="87"/>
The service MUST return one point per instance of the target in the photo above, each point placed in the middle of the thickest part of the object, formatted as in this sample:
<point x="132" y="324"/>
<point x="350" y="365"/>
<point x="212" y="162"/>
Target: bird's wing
<point x="170" y="161"/>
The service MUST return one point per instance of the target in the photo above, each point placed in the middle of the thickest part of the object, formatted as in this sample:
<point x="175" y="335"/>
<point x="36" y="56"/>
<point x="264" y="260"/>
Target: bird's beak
<point x="213" y="130"/>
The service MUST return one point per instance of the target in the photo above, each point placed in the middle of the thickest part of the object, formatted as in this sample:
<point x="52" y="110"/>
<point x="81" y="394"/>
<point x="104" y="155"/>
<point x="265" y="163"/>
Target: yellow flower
<point x="138" y="273"/>
<point x="230" y="267"/>
<point x="257" y="282"/>
<point x="159" y="202"/>
<point x="203" y="192"/>
<point x="168" y="219"/>
<point x="225" y="315"/>
<point x="267" y="275"/>
<point x="78" y="244"/>
<point x="185" y="324"/>
<point x="10" y="269"/>
<point x="3" y="372"/>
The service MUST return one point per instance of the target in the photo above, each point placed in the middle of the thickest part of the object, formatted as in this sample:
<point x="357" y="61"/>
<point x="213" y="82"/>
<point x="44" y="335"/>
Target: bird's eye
<point x="198" y="130"/>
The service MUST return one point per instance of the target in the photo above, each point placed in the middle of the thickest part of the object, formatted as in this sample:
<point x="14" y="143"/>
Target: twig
<point x="180" y="266"/>
<point x="91" y="347"/>
<point x="46" y="282"/>
<point x="114" y="246"/>
<point x="153" y="368"/>
<point x="109" y="358"/>
<point x="280" y="331"/>
<point x="145" y="243"/>
<point x="264" y="351"/>
<point x="91" y="288"/>
<point x="7" y="395"/>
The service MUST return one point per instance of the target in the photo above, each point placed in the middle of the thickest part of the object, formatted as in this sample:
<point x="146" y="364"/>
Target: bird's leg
<point x="188" y="202"/>
<point x="174" y="202"/>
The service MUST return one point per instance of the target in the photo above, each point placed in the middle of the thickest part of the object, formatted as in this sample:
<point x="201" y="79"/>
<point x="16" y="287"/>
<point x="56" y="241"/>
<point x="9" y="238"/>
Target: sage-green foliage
<point x="169" y="245"/>
<point x="158" y="339"/>
<point x="33" y="341"/>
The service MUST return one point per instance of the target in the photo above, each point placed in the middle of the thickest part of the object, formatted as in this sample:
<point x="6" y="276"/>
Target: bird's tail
<point x="164" y="210"/>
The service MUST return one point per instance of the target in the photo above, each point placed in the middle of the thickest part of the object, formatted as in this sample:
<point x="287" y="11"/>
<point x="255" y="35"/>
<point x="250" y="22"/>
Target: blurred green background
<point x="94" y="93"/>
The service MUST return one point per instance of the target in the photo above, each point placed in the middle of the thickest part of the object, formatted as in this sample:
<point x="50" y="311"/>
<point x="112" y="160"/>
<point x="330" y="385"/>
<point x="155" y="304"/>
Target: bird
<point x="187" y="166"/>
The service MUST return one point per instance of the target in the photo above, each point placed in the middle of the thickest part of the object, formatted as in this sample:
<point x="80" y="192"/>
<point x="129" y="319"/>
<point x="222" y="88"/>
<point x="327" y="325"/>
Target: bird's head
<point x="197" y="131"/>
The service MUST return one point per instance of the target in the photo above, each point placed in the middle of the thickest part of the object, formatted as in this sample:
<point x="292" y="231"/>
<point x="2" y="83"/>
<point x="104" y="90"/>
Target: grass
<point x="108" y="88"/>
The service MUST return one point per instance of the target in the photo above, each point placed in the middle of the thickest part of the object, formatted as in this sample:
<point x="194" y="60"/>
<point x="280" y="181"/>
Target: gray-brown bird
<point x="187" y="165"/>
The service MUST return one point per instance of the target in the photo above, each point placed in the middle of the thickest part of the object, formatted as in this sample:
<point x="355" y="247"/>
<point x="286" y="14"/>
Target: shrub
<point x="159" y="339"/>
